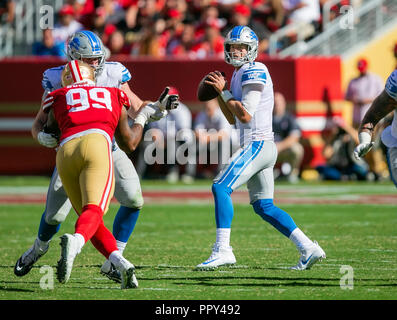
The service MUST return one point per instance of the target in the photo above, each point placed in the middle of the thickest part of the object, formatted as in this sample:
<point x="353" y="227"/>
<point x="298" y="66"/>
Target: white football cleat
<point x="126" y="270"/>
<point x="220" y="256"/>
<point x="128" y="278"/>
<point x="70" y="248"/>
<point x="109" y="270"/>
<point x="309" y="256"/>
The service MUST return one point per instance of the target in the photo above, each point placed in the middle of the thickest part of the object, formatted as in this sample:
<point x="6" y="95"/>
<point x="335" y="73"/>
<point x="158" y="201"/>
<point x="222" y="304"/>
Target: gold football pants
<point x="85" y="166"/>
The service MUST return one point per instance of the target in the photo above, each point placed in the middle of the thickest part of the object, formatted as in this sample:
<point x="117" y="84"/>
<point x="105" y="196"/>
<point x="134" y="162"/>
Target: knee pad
<point x="59" y="216"/>
<point x="130" y="198"/>
<point x="138" y="201"/>
<point x="135" y="201"/>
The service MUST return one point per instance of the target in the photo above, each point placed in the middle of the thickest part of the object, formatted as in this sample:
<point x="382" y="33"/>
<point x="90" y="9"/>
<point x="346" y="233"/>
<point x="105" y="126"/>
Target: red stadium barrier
<point x="310" y="85"/>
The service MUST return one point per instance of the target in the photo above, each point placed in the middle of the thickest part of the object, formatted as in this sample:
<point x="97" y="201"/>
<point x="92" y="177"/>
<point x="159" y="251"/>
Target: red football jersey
<point x="83" y="107"/>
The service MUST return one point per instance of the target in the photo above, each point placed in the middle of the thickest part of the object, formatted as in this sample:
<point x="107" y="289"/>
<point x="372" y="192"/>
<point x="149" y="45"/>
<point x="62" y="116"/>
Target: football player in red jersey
<point x="88" y="117"/>
<point x="87" y="46"/>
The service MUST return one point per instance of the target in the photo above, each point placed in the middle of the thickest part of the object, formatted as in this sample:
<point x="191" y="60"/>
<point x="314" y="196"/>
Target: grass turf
<point x="169" y="240"/>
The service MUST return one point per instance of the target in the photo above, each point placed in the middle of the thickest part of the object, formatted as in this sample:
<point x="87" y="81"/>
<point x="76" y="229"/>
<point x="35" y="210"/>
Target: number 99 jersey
<point x="83" y="109"/>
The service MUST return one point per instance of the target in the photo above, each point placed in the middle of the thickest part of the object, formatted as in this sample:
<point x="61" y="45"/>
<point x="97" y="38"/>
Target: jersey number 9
<point x="80" y="99"/>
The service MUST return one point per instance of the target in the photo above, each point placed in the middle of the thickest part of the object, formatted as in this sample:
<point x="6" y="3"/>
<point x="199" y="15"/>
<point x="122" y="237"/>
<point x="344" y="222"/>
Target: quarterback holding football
<point x="250" y="102"/>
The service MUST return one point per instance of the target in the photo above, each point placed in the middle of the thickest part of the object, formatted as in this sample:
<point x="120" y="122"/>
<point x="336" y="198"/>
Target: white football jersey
<point x="389" y="135"/>
<point x="114" y="74"/>
<point x="260" y="126"/>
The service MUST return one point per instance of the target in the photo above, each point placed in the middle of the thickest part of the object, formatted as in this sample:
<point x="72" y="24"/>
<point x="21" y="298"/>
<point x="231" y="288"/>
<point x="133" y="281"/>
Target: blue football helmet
<point x="86" y="44"/>
<point x="241" y="35"/>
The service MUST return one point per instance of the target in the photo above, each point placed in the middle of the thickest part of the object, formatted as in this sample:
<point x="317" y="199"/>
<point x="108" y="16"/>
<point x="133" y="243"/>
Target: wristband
<point x="140" y="119"/>
<point x="364" y="137"/>
<point x="226" y="95"/>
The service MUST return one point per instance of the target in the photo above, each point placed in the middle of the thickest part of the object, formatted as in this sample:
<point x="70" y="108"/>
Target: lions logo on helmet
<point x="241" y="35"/>
<point x="77" y="72"/>
<point x="86" y="44"/>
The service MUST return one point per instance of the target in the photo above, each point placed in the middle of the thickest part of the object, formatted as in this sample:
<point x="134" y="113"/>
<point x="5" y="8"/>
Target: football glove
<point x="151" y="112"/>
<point x="167" y="101"/>
<point x="47" y="140"/>
<point x="364" y="146"/>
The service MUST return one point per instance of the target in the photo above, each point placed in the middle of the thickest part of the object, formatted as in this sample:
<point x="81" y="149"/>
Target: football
<point x="205" y="91"/>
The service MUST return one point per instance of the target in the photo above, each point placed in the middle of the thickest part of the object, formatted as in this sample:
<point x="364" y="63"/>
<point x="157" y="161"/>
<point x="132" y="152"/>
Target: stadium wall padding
<point x="311" y="85"/>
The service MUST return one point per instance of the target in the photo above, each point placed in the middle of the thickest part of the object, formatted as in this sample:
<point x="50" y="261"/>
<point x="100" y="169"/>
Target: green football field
<point x="356" y="225"/>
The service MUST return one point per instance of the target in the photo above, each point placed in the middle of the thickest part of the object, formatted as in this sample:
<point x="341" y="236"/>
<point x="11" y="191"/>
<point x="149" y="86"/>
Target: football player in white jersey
<point x="385" y="103"/>
<point x="250" y="101"/>
<point x="87" y="46"/>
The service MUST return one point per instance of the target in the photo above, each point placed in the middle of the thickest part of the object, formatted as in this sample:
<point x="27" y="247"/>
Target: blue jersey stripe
<point x="125" y="77"/>
<point x="254" y="76"/>
<point x="391" y="87"/>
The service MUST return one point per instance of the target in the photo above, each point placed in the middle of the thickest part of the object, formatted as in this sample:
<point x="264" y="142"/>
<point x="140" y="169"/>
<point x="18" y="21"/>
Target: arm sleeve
<point x="47" y="103"/>
<point x="251" y="97"/>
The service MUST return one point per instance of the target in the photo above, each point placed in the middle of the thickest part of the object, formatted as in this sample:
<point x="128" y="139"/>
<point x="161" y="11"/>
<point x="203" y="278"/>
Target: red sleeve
<point x="47" y="103"/>
<point x="124" y="100"/>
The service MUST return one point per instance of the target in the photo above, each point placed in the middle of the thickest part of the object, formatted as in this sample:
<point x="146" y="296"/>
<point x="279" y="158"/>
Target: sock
<point x="117" y="259"/>
<point x="40" y="246"/>
<point x="88" y="222"/>
<point x="47" y="231"/>
<point x="300" y="239"/>
<point x="121" y="246"/>
<point x="223" y="205"/>
<point x="104" y="241"/>
<point x="80" y="239"/>
<point x="275" y="216"/>
<point x="223" y="237"/>
<point x="124" y="223"/>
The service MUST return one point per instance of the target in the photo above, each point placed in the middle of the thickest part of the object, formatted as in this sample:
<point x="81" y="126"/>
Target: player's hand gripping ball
<point x="205" y="91"/>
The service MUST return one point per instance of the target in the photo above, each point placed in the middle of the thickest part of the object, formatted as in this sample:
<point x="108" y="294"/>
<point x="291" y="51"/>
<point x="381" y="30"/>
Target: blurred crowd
<point x="196" y="29"/>
<point x="180" y="28"/>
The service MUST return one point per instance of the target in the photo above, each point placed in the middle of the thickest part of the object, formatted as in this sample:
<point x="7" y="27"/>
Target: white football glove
<point x="151" y="112"/>
<point x="47" y="140"/>
<point x="167" y="101"/>
<point x="365" y="145"/>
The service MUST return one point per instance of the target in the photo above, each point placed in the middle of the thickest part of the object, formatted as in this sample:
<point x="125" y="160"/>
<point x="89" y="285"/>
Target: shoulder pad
<point x="118" y="71"/>
<point x="52" y="78"/>
<point x="254" y="73"/>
